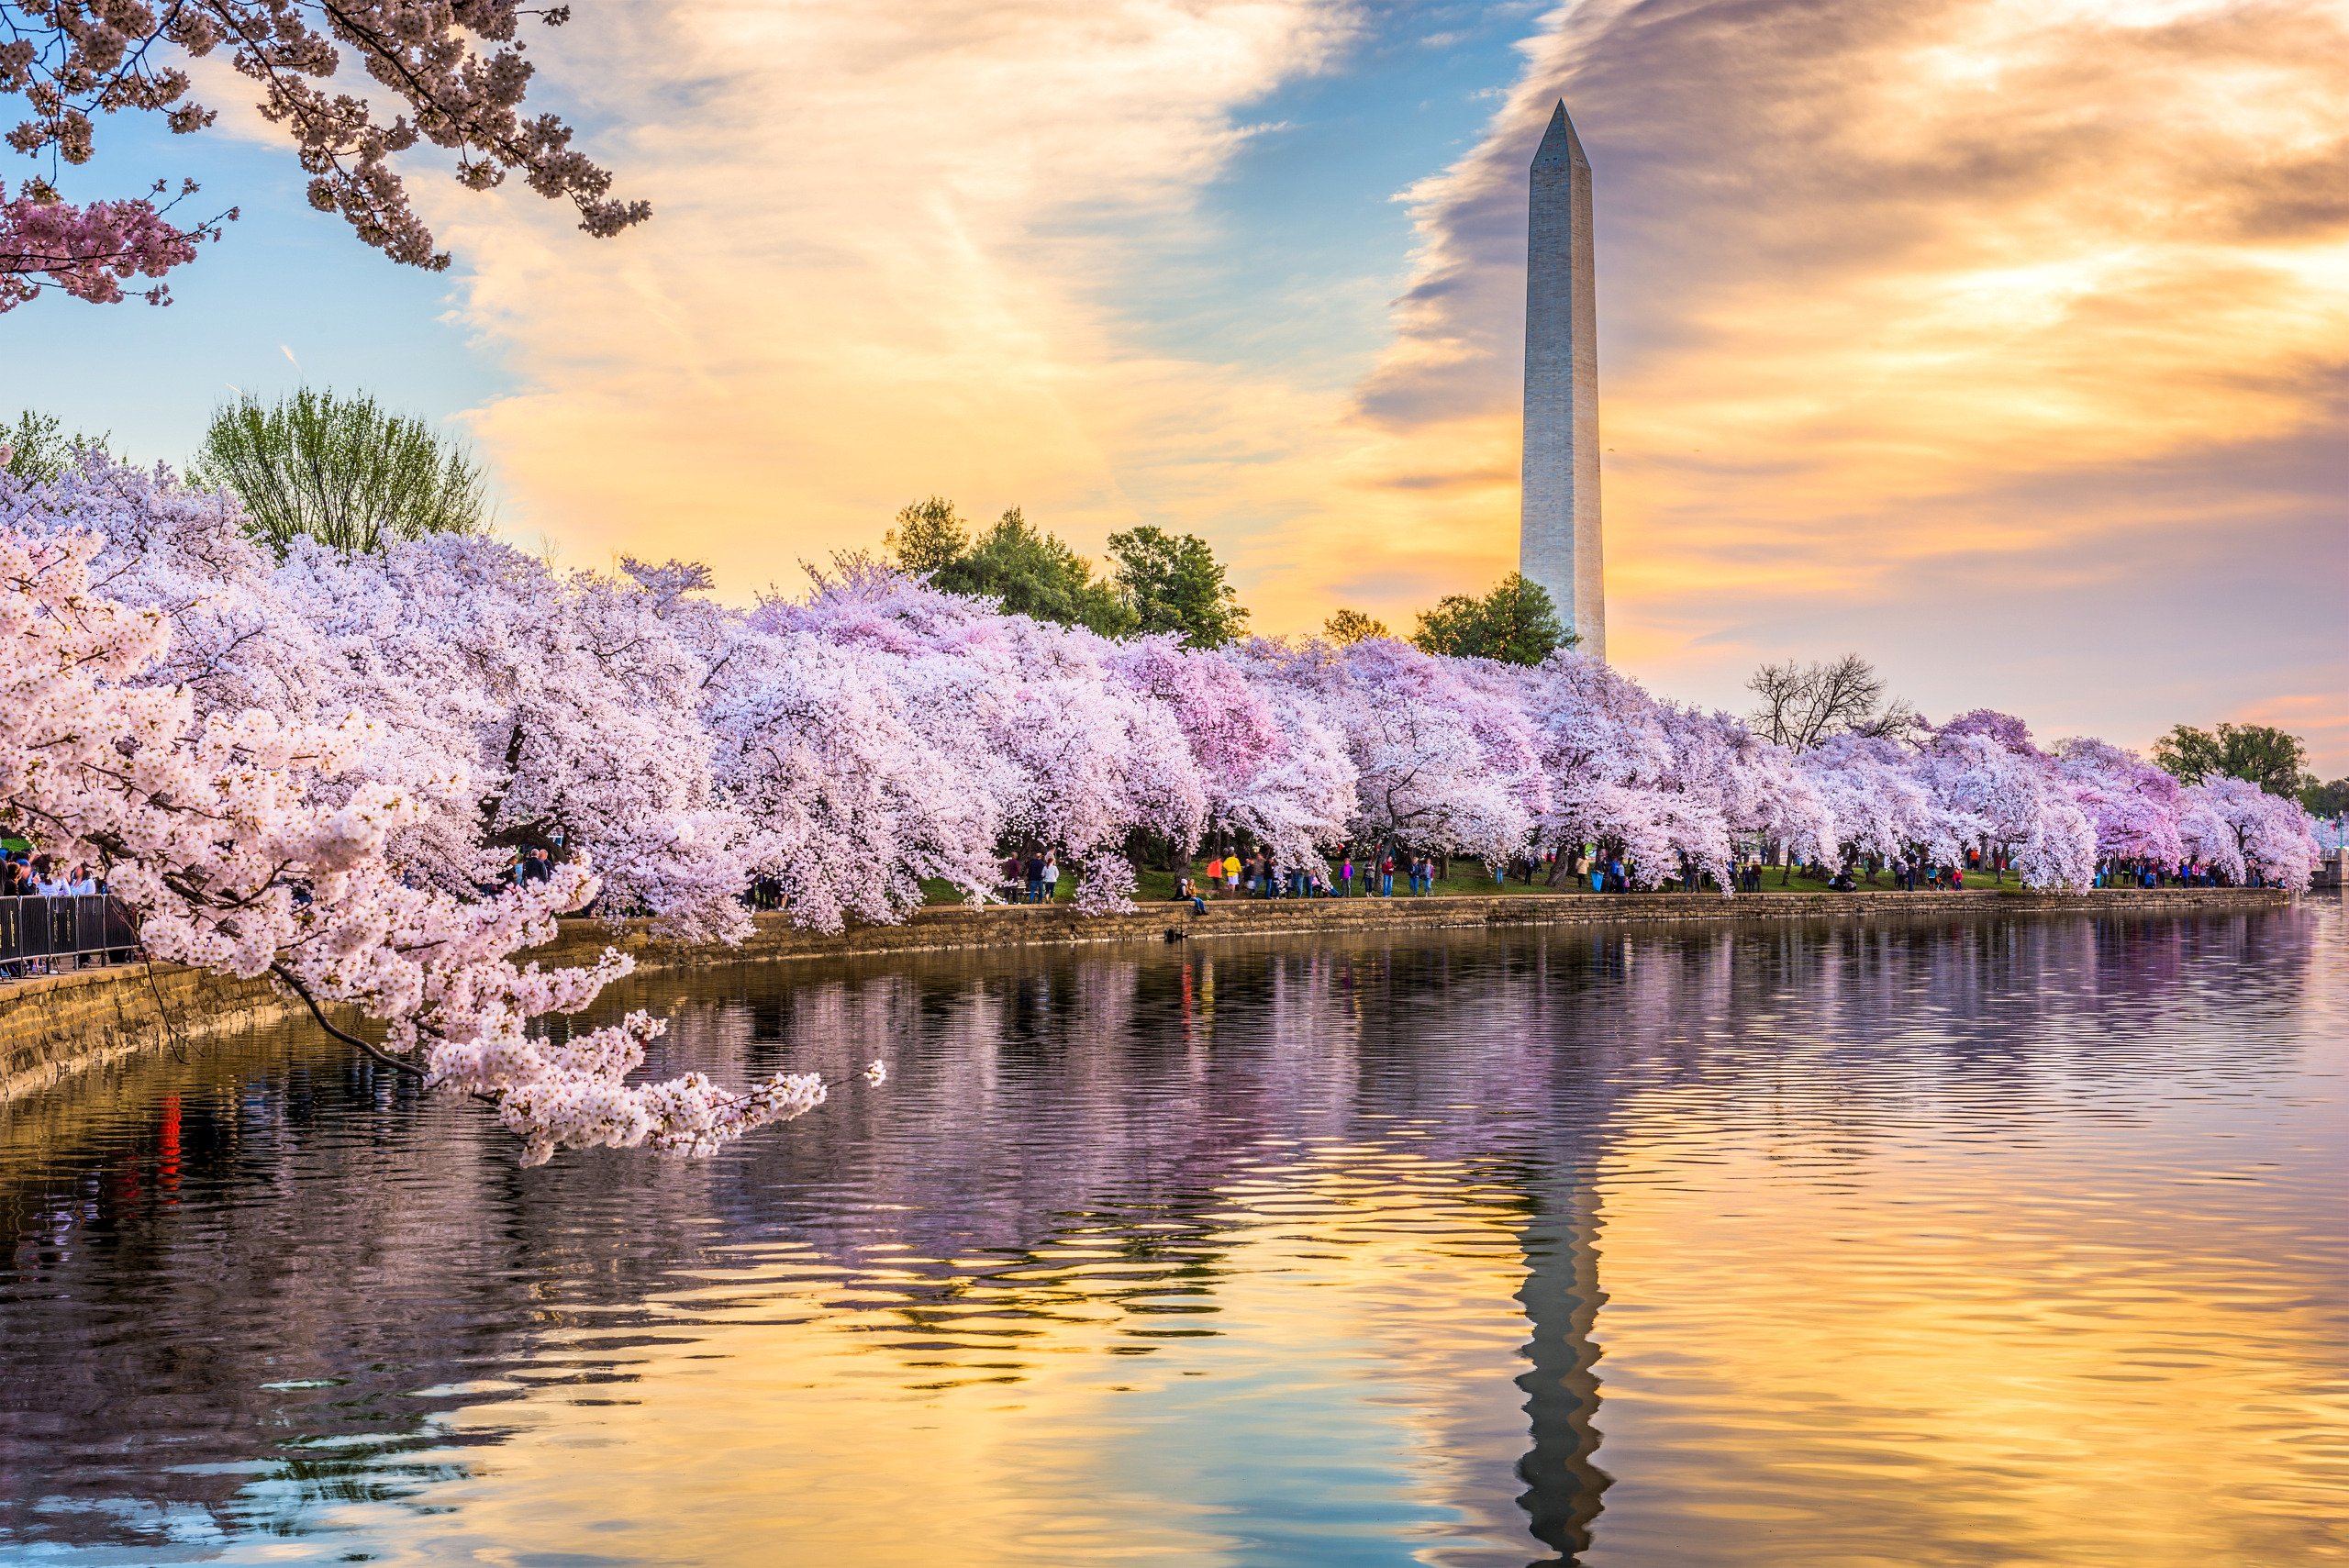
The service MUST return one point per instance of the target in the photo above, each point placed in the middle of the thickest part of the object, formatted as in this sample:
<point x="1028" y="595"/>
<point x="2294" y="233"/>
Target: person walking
<point x="1052" y="877"/>
<point x="1386" y="876"/>
<point x="1231" y="872"/>
<point x="1035" y="878"/>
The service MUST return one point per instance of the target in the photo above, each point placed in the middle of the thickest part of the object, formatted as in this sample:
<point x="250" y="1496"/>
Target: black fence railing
<point x="38" y="934"/>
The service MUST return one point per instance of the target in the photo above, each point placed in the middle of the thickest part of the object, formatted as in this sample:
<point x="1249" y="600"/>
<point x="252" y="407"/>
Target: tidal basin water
<point x="2011" y="1241"/>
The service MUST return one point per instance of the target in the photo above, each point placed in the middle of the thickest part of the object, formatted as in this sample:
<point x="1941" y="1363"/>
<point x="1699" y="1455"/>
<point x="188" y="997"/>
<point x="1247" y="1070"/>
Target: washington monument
<point x="1558" y="538"/>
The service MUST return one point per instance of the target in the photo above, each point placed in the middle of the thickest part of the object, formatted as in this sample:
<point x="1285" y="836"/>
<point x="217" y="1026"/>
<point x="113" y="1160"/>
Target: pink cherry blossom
<point x="89" y="250"/>
<point x="212" y="831"/>
<point x="319" y="769"/>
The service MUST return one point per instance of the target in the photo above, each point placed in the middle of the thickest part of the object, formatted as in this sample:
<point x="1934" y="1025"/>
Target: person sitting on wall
<point x="1185" y="888"/>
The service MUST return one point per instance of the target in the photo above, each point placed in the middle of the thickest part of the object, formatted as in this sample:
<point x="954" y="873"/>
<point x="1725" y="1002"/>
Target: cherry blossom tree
<point x="1270" y="767"/>
<point x="564" y="691"/>
<point x="456" y="70"/>
<point x="1599" y="741"/>
<point x="1751" y="785"/>
<point x="1880" y="807"/>
<point x="1991" y="786"/>
<point x="2132" y="804"/>
<point x="211" y="832"/>
<point x="1658" y="783"/>
<point x="2241" y="829"/>
<point x="847" y="804"/>
<point x="2209" y="837"/>
<point x="1066" y="755"/>
<point x="559" y="694"/>
<point x="1443" y="759"/>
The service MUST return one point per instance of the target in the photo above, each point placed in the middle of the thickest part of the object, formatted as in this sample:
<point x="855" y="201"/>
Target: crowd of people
<point x="2161" y="873"/>
<point x="1258" y="876"/>
<point x="26" y="875"/>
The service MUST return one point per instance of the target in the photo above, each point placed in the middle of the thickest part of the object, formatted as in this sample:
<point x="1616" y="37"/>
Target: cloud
<point x="890" y="247"/>
<point x="1928" y="306"/>
<point x="2003" y="341"/>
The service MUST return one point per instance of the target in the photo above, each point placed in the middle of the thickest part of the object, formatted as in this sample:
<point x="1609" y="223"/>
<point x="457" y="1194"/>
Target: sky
<point x="2004" y="343"/>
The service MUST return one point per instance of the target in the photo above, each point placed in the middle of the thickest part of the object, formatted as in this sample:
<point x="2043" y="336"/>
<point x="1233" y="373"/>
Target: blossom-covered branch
<point x="72" y="61"/>
<point x="87" y="252"/>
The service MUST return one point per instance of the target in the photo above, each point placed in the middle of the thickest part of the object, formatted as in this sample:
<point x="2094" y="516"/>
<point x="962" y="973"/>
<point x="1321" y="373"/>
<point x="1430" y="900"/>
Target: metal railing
<point x="38" y="934"/>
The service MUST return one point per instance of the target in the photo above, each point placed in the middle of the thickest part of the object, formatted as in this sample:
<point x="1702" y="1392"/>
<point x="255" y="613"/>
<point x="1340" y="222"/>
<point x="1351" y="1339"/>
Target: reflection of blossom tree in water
<point x="1042" y="1112"/>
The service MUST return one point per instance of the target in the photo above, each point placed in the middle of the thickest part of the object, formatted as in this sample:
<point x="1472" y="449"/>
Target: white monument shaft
<point x="1558" y="544"/>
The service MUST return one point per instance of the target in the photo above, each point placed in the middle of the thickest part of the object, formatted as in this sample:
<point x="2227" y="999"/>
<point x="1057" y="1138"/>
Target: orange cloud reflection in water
<point x="1809" y="1355"/>
<point x="1815" y="1348"/>
<point x="1132" y="1389"/>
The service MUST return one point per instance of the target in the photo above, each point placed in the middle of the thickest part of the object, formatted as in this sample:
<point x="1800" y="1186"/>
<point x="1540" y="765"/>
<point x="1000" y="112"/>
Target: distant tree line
<point x="2258" y="754"/>
<point x="355" y="477"/>
<point x="1158" y="581"/>
<point x="342" y="471"/>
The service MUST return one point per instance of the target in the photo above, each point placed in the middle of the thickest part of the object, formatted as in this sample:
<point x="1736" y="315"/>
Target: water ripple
<point x="2014" y="1241"/>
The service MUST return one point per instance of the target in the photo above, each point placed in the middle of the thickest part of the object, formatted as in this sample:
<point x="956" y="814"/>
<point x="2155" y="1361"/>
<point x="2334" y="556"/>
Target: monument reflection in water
<point x="2013" y="1241"/>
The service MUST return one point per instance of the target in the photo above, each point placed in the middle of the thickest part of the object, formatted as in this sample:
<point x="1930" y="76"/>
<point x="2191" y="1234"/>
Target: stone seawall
<point x="999" y="926"/>
<point x="52" y="1024"/>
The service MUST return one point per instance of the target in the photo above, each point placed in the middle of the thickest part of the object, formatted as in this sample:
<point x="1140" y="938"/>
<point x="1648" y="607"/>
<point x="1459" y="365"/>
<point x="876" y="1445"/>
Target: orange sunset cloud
<point x="2003" y="342"/>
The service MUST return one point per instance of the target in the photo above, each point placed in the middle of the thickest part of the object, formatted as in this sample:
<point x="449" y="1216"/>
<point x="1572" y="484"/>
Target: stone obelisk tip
<point x="1560" y="146"/>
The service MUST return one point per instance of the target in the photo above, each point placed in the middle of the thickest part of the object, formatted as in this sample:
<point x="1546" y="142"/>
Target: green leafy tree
<point x="929" y="537"/>
<point x="38" y="453"/>
<point x="1349" y="626"/>
<point x="1515" y="623"/>
<point x="2259" y="753"/>
<point x="1036" y="576"/>
<point x="340" y="471"/>
<point x="1177" y="585"/>
<point x="2325" y="799"/>
<point x="1029" y="572"/>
